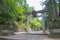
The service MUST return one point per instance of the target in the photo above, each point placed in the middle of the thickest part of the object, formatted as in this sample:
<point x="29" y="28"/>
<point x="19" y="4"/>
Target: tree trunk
<point x="54" y="8"/>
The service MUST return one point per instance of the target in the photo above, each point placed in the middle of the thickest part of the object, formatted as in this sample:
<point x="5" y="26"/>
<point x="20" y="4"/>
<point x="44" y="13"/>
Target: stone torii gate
<point x="34" y="13"/>
<point x="42" y="15"/>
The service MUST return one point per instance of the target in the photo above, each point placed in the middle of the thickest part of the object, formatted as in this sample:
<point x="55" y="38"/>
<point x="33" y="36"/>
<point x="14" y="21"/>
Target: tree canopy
<point x="13" y="9"/>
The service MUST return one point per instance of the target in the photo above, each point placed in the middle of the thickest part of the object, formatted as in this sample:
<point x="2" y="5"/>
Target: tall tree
<point x="54" y="8"/>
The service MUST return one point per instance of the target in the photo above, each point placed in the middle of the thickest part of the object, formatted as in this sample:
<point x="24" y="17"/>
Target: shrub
<point x="54" y="24"/>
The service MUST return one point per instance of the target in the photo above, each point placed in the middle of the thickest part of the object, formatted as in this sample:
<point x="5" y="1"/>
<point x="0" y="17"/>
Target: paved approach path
<point x="28" y="37"/>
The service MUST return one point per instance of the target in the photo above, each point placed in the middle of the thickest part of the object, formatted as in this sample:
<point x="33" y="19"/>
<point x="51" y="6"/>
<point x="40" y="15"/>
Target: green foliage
<point x="48" y="11"/>
<point x="35" y="23"/>
<point x="19" y="24"/>
<point x="9" y="9"/>
<point x="55" y="23"/>
<point x="13" y="9"/>
<point x="2" y="20"/>
<point x="30" y="9"/>
<point x="57" y="6"/>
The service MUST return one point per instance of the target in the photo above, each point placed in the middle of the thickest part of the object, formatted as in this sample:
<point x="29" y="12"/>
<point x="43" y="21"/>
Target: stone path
<point x="28" y="37"/>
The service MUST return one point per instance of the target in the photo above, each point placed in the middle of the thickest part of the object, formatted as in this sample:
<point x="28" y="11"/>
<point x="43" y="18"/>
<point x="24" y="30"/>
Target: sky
<point x="35" y="4"/>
